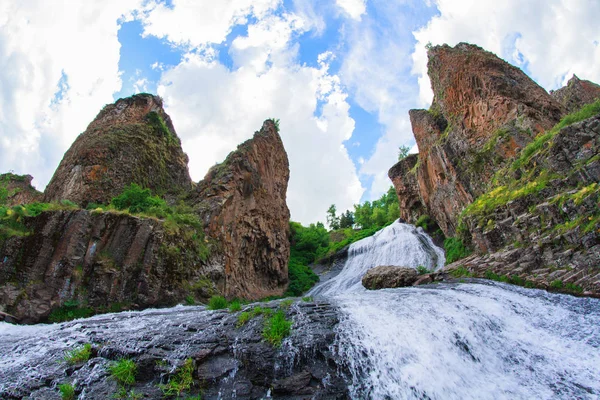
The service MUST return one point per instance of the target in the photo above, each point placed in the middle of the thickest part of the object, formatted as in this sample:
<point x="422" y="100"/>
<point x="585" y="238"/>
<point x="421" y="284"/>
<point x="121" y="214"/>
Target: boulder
<point x="387" y="276"/>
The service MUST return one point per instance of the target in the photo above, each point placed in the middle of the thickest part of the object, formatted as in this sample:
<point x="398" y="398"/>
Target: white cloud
<point x="200" y="22"/>
<point x="551" y="38"/>
<point x="46" y="50"/>
<point x="215" y="108"/>
<point x="354" y="8"/>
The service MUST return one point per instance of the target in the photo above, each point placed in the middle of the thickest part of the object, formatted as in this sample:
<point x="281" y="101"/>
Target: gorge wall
<point x="496" y="169"/>
<point x="232" y="239"/>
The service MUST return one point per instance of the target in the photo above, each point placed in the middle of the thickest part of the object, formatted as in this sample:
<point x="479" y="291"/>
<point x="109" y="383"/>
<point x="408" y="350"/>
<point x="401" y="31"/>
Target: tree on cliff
<point x="347" y="219"/>
<point x="332" y="220"/>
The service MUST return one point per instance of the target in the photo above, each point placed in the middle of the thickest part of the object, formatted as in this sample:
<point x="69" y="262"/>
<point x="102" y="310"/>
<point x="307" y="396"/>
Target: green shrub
<point x="307" y="299"/>
<point x="181" y="381"/>
<point x="123" y="371"/>
<point x="137" y="200"/>
<point x="287" y="303"/>
<point x="455" y="250"/>
<point x="217" y="303"/>
<point x="461" y="272"/>
<point x="421" y="270"/>
<point x="70" y="310"/>
<point x="81" y="354"/>
<point x="557" y="284"/>
<point x="235" y="306"/>
<point x="573" y="288"/>
<point x="277" y="328"/>
<point x="189" y="300"/>
<point x="67" y="391"/>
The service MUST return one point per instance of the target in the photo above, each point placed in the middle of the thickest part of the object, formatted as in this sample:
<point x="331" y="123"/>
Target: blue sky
<point x="340" y="74"/>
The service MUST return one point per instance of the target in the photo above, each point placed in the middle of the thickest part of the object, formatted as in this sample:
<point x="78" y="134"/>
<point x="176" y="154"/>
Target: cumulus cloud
<point x="354" y="8"/>
<point x="58" y="67"/>
<point x="201" y="22"/>
<point x="551" y="39"/>
<point x="214" y="108"/>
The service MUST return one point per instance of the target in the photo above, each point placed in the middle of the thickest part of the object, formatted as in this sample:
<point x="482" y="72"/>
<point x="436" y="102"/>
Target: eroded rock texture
<point x="100" y="262"/>
<point x="484" y="111"/>
<point x="243" y="205"/>
<point x="577" y="93"/>
<point x="389" y="276"/>
<point x="18" y="190"/>
<point x="130" y="141"/>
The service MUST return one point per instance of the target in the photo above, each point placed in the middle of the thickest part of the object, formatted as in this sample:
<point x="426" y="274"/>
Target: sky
<point x="340" y="75"/>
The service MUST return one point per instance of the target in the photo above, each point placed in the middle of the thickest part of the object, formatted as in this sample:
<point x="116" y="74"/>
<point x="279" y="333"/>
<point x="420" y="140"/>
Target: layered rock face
<point x="242" y="203"/>
<point x="484" y="111"/>
<point x="576" y="94"/>
<point x="17" y="189"/>
<point x="64" y="259"/>
<point x="130" y="141"/>
<point x="495" y="169"/>
<point x="84" y="261"/>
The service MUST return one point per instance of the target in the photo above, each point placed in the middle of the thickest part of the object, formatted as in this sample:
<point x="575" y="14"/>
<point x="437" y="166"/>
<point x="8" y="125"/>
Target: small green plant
<point x="276" y="122"/>
<point x="287" y="303"/>
<point x="70" y="310"/>
<point x="243" y="318"/>
<point x="256" y="311"/>
<point x="67" y="391"/>
<point x="189" y="300"/>
<point x="123" y="371"/>
<point x="181" y="381"/>
<point x="137" y="200"/>
<point x="235" y="306"/>
<point x="421" y="270"/>
<point x="124" y="394"/>
<point x="217" y="303"/>
<point x="403" y="152"/>
<point x="573" y="288"/>
<point x="307" y="299"/>
<point x="461" y="272"/>
<point x="81" y="354"/>
<point x="557" y="284"/>
<point x="277" y="327"/>
<point x="455" y="250"/>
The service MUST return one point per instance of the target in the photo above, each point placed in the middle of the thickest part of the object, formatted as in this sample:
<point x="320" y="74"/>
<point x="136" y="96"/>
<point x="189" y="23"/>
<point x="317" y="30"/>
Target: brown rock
<point x="103" y="261"/>
<point x="577" y="93"/>
<point x="130" y="141"/>
<point x="389" y="277"/>
<point x="18" y="190"/>
<point x="484" y="111"/>
<point x="243" y="205"/>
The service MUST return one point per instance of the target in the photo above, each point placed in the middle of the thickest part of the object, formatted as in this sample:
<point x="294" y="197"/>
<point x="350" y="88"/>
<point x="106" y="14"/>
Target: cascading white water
<point x="478" y="340"/>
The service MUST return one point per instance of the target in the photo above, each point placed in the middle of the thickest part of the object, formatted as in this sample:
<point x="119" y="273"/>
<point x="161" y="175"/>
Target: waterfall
<point x="475" y="340"/>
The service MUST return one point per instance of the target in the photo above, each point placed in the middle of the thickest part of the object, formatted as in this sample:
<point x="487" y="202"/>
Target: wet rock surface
<point x="230" y="361"/>
<point x="388" y="276"/>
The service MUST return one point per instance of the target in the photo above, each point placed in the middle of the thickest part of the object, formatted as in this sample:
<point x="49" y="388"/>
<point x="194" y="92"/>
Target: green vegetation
<point x="123" y="371"/>
<point x="217" y="303"/>
<point x="181" y="381"/>
<point x="189" y="300"/>
<point x="67" y="391"/>
<point x="235" y="306"/>
<point x="78" y="355"/>
<point x="421" y="270"/>
<point x="378" y="213"/>
<point x="12" y="219"/>
<point x="403" y="152"/>
<point x="306" y="243"/>
<point x="287" y="303"/>
<point x="160" y="126"/>
<point x="70" y="310"/>
<point x="455" y="250"/>
<point x="307" y="299"/>
<point x="135" y="199"/>
<point x="461" y="272"/>
<point x="277" y="327"/>
<point x="125" y="394"/>
<point x="243" y="318"/>
<point x="276" y="122"/>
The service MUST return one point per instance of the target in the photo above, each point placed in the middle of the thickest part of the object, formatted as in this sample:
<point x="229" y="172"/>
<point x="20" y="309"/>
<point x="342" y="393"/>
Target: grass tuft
<point x="235" y="306"/>
<point x="217" y="303"/>
<point x="67" y="391"/>
<point x="181" y="381"/>
<point x="277" y="327"/>
<point x="123" y="371"/>
<point x="81" y="354"/>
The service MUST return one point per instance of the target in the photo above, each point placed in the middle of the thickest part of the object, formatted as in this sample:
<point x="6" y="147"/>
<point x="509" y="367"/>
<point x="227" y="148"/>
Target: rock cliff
<point x="496" y="168"/>
<point x="231" y="238"/>
<point x="130" y="141"/>
<point x="17" y="189"/>
<point x="242" y="203"/>
<point x="483" y="112"/>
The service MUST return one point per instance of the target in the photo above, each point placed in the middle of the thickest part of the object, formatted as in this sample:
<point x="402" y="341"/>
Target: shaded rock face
<point x="228" y="361"/>
<point x="18" y="190"/>
<point x="577" y="93"/>
<point x="484" y="111"/>
<point x="130" y="141"/>
<point x="242" y="203"/>
<point x="389" y="277"/>
<point x="101" y="262"/>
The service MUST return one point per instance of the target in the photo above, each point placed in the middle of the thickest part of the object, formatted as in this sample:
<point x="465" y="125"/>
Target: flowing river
<point x="465" y="340"/>
<point x="475" y="340"/>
